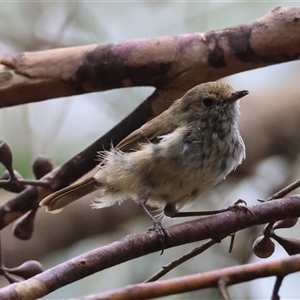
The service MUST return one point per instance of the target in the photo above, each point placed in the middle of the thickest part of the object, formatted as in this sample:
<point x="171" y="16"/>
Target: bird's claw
<point x="162" y="234"/>
<point x="238" y="207"/>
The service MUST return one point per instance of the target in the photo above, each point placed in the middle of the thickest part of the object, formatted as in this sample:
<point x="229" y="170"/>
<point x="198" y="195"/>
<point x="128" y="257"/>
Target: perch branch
<point x="134" y="246"/>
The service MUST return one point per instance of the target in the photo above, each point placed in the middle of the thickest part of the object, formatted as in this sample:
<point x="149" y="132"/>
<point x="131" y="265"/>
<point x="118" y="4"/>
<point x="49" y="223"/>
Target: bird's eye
<point x="207" y="102"/>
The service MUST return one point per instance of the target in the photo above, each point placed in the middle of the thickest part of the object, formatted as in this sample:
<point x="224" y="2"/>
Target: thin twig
<point x="196" y="251"/>
<point x="33" y="182"/>
<point x="278" y="282"/>
<point x="283" y="191"/>
<point x="286" y="190"/>
<point x="231" y="242"/>
<point x="222" y="287"/>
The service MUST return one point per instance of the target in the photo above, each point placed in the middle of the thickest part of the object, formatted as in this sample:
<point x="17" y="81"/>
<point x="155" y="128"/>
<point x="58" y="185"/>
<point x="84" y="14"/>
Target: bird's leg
<point x="171" y="211"/>
<point x="161" y="232"/>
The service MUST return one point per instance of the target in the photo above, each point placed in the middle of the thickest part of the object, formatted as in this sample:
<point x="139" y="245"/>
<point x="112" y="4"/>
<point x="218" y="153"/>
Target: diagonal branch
<point x="175" y="263"/>
<point x="76" y="167"/>
<point x="137" y="245"/>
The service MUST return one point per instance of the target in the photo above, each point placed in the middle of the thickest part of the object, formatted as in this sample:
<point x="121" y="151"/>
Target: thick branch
<point x="177" y="63"/>
<point x="134" y="246"/>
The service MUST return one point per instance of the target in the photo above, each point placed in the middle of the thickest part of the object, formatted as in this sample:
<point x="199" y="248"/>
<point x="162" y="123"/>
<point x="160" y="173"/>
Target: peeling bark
<point x="167" y="63"/>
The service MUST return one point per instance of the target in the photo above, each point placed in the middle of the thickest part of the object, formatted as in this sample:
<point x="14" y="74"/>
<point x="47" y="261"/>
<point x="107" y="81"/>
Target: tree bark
<point x="171" y="64"/>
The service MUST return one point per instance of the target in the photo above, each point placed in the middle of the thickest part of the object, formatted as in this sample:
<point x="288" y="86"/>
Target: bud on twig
<point x="6" y="157"/>
<point x="263" y="247"/>
<point x="24" y="226"/>
<point x="26" y="270"/>
<point x="42" y="165"/>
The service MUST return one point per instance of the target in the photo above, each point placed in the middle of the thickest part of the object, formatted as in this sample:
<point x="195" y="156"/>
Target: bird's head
<point x="212" y="102"/>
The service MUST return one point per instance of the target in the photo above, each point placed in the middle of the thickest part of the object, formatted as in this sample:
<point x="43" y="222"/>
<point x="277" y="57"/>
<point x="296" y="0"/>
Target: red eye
<point x="207" y="102"/>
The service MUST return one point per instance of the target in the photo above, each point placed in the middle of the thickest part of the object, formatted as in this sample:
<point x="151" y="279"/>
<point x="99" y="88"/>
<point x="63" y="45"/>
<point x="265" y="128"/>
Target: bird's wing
<point x="149" y="132"/>
<point x="61" y="198"/>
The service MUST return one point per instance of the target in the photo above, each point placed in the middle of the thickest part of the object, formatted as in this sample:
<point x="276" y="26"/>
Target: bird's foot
<point x="162" y="234"/>
<point x="239" y="205"/>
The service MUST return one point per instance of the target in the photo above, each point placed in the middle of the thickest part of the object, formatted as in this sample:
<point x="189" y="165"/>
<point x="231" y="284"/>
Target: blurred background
<point x="60" y="128"/>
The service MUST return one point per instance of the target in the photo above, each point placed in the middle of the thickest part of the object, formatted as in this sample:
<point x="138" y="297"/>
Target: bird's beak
<point x="237" y="95"/>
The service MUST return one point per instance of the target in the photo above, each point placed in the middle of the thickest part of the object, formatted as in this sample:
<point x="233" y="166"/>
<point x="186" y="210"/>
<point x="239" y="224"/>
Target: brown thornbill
<point x="170" y="161"/>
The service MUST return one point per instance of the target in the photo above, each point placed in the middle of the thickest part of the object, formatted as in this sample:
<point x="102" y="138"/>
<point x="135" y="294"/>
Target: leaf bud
<point x="263" y="247"/>
<point x="42" y="165"/>
<point x="26" y="270"/>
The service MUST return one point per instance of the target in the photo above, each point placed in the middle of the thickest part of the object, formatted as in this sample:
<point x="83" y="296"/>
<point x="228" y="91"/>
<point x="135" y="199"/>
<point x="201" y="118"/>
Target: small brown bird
<point x="171" y="160"/>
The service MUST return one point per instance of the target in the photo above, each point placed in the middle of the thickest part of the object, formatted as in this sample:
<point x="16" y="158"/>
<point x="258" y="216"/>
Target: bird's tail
<point x="56" y="201"/>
